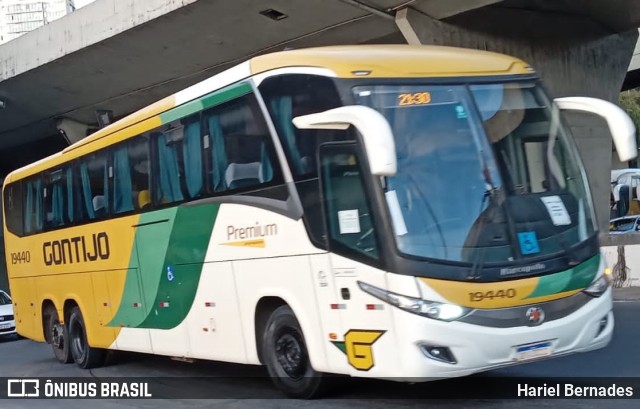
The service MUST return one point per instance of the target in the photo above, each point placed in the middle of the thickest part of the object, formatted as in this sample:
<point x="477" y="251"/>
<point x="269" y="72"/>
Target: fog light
<point x="442" y="354"/>
<point x="603" y="324"/>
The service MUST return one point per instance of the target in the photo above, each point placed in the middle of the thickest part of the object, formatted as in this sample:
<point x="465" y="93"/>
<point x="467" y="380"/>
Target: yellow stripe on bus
<point x="487" y="295"/>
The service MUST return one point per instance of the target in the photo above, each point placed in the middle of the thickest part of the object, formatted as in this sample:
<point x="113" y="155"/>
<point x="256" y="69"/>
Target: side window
<point x="289" y="96"/>
<point x="347" y="209"/>
<point x="32" y="200"/>
<point x="131" y="176"/>
<point x="178" y="153"/>
<point x="94" y="182"/>
<point x="13" y="208"/>
<point x="56" y="199"/>
<point x="240" y="150"/>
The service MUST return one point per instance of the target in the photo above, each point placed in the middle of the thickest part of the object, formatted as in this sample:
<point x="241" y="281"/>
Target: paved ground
<point x="620" y="359"/>
<point x="626" y="294"/>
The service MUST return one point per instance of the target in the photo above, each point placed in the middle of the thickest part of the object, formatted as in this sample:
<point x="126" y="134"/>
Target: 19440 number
<point x="20" y="257"/>
<point x="490" y="295"/>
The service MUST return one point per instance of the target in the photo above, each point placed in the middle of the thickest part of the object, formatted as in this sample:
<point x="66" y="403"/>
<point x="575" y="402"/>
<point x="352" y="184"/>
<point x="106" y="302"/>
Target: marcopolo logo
<point x="522" y="269"/>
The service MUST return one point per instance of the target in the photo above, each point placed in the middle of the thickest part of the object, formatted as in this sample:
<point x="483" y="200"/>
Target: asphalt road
<point x="23" y="358"/>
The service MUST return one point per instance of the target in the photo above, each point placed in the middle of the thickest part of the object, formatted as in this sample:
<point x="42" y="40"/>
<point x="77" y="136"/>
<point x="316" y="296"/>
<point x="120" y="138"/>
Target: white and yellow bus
<point x="376" y="211"/>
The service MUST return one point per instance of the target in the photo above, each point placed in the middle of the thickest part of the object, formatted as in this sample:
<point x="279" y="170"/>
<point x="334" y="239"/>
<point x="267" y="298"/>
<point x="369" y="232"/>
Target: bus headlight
<point x="431" y="309"/>
<point x="599" y="286"/>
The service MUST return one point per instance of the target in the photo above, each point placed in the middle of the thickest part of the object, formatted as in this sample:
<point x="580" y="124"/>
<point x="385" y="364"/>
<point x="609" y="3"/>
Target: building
<point x="21" y="16"/>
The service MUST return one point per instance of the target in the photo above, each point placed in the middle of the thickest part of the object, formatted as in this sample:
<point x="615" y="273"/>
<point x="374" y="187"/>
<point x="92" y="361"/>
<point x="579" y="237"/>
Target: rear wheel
<point x="287" y="359"/>
<point x="84" y="355"/>
<point x="58" y="337"/>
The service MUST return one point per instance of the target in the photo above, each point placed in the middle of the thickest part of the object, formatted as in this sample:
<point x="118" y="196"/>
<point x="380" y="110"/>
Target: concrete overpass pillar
<point x="571" y="60"/>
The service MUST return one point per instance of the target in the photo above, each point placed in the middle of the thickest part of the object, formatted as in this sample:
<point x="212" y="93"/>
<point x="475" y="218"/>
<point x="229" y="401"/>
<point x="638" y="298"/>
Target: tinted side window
<point x="179" y="158"/>
<point x="13" y="208"/>
<point x="131" y="175"/>
<point x="56" y="199"/>
<point x="94" y="185"/>
<point x="349" y="218"/>
<point x="241" y="155"/>
<point x="32" y="205"/>
<point x="289" y="96"/>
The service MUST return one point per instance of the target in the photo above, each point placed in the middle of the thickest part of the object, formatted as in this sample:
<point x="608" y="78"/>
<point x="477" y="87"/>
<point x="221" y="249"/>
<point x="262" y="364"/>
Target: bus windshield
<point x="486" y="173"/>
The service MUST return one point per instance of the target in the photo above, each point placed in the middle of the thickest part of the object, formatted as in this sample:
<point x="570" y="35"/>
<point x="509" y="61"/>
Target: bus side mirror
<point x="620" y="125"/>
<point x="375" y="130"/>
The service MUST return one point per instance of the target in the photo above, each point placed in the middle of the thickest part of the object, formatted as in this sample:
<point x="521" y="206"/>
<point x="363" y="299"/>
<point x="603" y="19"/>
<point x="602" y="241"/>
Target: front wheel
<point x="85" y="356"/>
<point x="286" y="356"/>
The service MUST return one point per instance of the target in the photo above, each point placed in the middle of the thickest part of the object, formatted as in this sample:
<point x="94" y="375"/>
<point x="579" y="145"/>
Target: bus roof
<point x="394" y="61"/>
<point x="355" y="61"/>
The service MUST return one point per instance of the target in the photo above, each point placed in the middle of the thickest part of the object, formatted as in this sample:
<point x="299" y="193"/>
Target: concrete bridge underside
<point x="121" y="55"/>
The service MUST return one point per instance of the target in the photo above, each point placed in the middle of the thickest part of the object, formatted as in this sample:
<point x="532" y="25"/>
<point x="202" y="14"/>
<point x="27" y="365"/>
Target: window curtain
<point x="283" y="112"/>
<point x="192" y="154"/>
<point x="218" y="154"/>
<point x="86" y="190"/>
<point x="267" y="169"/>
<point x="169" y="176"/>
<point x="28" y="208"/>
<point x="38" y="211"/>
<point x="57" y="205"/>
<point x="70" y="201"/>
<point x="122" y="186"/>
<point x="105" y="178"/>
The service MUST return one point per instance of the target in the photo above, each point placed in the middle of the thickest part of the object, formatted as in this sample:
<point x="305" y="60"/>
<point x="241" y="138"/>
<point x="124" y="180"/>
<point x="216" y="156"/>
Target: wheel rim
<point x="291" y="354"/>
<point x="78" y="348"/>
<point x="57" y="335"/>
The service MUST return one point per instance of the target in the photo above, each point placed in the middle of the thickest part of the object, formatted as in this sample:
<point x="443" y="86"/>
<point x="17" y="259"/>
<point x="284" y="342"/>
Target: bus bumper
<point x="475" y="348"/>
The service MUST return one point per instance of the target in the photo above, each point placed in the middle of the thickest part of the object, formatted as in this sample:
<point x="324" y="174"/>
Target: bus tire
<point x="59" y="337"/>
<point x="84" y="355"/>
<point x="286" y="356"/>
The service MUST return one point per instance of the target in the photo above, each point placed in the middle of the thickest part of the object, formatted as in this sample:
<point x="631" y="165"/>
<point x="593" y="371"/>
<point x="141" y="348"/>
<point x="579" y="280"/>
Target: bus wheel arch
<point x="46" y="310"/>
<point x="284" y="351"/>
<point x="55" y="332"/>
<point x="265" y="307"/>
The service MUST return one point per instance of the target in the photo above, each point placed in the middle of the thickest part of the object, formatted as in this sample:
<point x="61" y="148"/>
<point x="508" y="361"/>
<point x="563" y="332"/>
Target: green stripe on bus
<point x="584" y="274"/>
<point x="575" y="278"/>
<point x="152" y="244"/>
<point x="227" y="94"/>
<point x="182" y="267"/>
<point x="208" y="101"/>
<point x="147" y="256"/>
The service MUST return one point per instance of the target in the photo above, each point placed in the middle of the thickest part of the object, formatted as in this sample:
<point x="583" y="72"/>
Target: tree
<point x="630" y="102"/>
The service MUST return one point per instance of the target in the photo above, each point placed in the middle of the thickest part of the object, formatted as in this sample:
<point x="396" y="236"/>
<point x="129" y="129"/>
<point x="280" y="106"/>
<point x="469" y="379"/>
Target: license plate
<point x="533" y="351"/>
<point x="5" y="326"/>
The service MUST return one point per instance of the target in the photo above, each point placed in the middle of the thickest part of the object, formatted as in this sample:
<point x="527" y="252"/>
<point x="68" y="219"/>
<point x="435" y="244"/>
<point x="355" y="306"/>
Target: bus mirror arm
<point x="374" y="128"/>
<point x="620" y="125"/>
